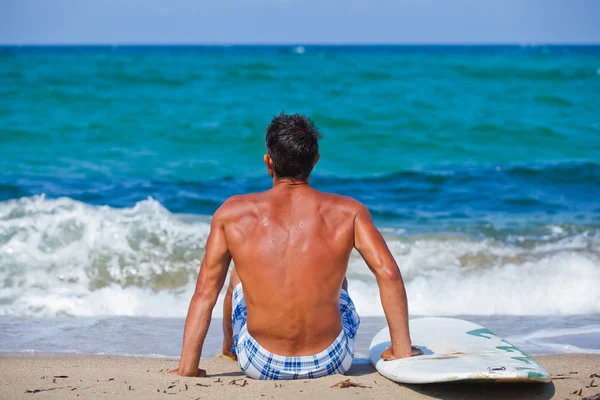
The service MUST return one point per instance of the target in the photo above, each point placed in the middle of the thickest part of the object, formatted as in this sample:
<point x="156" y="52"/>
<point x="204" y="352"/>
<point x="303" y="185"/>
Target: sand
<point x="107" y="377"/>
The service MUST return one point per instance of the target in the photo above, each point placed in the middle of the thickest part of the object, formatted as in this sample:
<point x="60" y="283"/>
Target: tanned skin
<point x="291" y="246"/>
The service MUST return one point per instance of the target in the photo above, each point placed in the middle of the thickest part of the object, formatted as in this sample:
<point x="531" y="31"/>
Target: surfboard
<point x="455" y="350"/>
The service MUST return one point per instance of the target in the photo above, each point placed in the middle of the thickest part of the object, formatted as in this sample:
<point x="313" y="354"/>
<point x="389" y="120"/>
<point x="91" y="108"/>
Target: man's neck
<point x="289" y="182"/>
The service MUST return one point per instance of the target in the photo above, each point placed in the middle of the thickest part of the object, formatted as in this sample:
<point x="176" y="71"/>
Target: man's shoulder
<point x="236" y="206"/>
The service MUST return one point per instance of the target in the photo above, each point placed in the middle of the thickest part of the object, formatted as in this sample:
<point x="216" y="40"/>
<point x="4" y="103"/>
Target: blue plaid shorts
<point x="259" y="363"/>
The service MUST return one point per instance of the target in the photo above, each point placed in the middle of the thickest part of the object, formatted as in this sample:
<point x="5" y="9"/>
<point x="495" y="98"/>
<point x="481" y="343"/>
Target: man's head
<point x="292" y="146"/>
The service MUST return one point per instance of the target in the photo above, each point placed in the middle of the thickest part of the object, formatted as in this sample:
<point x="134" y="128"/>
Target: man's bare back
<point x="290" y="246"/>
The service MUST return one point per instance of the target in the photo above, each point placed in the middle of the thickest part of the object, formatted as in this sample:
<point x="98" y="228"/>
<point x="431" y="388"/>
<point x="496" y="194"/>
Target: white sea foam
<point x="549" y="340"/>
<point x="63" y="257"/>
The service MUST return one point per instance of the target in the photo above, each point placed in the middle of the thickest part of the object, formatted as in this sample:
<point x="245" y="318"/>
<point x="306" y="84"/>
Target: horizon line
<point x="298" y="44"/>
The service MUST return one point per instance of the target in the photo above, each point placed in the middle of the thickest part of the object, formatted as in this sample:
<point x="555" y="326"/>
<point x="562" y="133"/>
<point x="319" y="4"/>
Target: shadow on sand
<point x="471" y="390"/>
<point x="485" y="390"/>
<point x="230" y="374"/>
<point x="360" y="369"/>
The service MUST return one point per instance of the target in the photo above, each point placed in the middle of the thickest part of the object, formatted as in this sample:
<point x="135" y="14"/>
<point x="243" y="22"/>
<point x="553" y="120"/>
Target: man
<point x="287" y="313"/>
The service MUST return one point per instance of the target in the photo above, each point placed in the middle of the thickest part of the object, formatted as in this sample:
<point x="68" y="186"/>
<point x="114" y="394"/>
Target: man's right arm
<point x="211" y="278"/>
<point x="373" y="249"/>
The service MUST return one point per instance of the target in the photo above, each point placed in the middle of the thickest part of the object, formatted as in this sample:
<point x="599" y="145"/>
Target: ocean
<point x="480" y="165"/>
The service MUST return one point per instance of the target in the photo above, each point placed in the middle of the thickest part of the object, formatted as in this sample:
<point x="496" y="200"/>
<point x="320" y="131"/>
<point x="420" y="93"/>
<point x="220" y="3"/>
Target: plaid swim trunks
<point x="259" y="363"/>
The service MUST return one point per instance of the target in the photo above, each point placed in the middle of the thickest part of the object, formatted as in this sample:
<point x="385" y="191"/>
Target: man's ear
<point x="317" y="158"/>
<point x="269" y="163"/>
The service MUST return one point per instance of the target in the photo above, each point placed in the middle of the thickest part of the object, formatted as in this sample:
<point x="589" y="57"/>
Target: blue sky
<point x="301" y="22"/>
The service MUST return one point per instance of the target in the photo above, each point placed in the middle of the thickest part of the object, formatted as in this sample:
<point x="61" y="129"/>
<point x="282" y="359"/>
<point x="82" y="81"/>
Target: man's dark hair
<point x="293" y="144"/>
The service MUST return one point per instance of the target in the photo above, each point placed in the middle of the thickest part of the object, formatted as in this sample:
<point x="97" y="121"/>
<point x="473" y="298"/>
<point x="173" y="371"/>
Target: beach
<point x="27" y="376"/>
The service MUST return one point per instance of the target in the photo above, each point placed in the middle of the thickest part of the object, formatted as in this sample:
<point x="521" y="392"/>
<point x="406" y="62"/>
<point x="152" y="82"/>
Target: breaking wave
<point x="64" y="257"/>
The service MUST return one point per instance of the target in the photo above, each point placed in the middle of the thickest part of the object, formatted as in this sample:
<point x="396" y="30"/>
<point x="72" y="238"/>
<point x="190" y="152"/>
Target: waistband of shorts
<point x="341" y="339"/>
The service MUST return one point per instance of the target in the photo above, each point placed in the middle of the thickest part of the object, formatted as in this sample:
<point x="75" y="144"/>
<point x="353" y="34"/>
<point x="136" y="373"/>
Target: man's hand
<point x="201" y="373"/>
<point x="389" y="354"/>
<point x="229" y="354"/>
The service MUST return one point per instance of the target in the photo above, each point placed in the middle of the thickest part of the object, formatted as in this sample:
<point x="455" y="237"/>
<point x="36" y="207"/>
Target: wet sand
<point x="27" y="376"/>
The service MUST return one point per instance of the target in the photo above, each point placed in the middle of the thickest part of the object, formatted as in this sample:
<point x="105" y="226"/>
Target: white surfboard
<point x="454" y="350"/>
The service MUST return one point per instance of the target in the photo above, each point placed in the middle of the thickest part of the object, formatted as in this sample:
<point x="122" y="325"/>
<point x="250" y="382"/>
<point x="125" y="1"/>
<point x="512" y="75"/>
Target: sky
<point x="299" y="21"/>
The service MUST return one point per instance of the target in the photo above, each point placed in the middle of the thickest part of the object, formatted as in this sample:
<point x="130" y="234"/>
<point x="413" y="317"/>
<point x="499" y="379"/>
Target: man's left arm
<point x="211" y="278"/>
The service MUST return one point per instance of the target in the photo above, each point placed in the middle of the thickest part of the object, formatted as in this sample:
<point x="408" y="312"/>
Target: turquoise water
<point x="113" y="125"/>
<point x="481" y="166"/>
